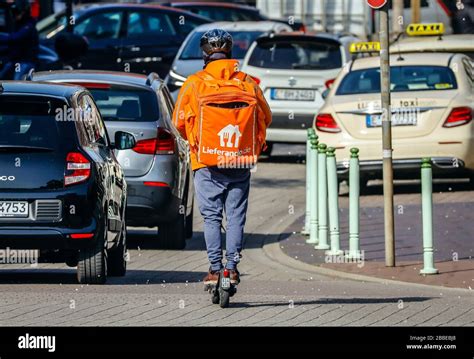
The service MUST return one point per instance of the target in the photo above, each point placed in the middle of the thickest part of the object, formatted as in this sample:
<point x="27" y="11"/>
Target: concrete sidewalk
<point x="453" y="238"/>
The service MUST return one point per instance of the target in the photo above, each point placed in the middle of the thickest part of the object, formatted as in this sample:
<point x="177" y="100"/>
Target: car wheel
<point x="92" y="264"/>
<point x="116" y="259"/>
<point x="172" y="235"/>
<point x="189" y="224"/>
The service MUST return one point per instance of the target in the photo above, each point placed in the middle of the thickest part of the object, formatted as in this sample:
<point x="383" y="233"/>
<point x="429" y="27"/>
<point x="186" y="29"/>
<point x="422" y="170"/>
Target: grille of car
<point x="48" y="210"/>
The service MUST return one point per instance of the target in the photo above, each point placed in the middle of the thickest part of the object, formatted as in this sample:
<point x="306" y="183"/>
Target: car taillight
<point x="329" y="83"/>
<point x="78" y="168"/>
<point x="459" y="116"/>
<point x="163" y="144"/>
<point x="325" y="122"/>
<point x="256" y="79"/>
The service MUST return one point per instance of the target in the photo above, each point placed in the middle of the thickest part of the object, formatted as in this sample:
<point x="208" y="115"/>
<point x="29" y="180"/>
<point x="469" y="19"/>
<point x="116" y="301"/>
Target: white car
<point x="293" y="71"/>
<point x="431" y="38"/>
<point x="432" y="99"/>
<point x="188" y="60"/>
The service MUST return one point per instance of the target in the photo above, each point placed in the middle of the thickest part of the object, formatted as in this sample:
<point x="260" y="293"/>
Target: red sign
<point x="376" y="4"/>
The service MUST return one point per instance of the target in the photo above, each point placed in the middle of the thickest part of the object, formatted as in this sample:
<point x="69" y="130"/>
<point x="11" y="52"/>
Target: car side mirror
<point x="124" y="140"/>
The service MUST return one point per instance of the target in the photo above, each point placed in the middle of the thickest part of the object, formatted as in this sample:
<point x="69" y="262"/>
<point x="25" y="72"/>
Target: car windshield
<point x="298" y="55"/>
<point x="30" y="123"/>
<point x="51" y="25"/>
<point x="242" y="42"/>
<point x="402" y="78"/>
<point x="119" y="103"/>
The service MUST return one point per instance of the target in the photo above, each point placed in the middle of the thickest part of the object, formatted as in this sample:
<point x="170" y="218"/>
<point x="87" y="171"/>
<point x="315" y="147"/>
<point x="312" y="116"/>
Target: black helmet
<point x="216" y="41"/>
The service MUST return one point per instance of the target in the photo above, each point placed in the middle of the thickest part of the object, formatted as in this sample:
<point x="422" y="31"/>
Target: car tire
<point x="189" y="223"/>
<point x="116" y="259"/>
<point x="172" y="235"/>
<point x="92" y="264"/>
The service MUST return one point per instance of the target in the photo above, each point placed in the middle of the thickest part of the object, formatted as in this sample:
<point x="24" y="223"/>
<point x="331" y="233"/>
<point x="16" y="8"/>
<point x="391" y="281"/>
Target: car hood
<point x="187" y="67"/>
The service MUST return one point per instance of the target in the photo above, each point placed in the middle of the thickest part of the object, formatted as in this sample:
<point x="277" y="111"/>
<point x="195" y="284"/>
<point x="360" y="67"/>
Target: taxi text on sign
<point x="376" y="4"/>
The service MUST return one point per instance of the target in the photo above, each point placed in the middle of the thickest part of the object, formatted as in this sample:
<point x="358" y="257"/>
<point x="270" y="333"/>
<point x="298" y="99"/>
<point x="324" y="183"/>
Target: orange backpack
<point x="226" y="130"/>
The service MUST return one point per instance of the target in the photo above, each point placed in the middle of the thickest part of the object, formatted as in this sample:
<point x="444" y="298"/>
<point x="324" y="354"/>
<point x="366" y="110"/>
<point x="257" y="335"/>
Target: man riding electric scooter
<point x="223" y="114"/>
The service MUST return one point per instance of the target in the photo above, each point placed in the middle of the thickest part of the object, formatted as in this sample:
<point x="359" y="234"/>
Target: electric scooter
<point x="223" y="290"/>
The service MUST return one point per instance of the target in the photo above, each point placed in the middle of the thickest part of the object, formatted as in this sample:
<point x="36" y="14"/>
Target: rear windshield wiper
<point x="20" y="148"/>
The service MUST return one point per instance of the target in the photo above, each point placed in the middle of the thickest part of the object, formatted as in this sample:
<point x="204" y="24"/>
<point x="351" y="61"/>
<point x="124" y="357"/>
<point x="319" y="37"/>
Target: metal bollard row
<point x="322" y="208"/>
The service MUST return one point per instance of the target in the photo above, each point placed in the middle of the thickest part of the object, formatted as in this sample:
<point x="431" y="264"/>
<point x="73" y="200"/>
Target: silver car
<point x="188" y="60"/>
<point x="157" y="169"/>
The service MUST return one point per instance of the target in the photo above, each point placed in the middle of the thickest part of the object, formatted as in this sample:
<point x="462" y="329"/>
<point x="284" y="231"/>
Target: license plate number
<point x="409" y="118"/>
<point x="293" y="94"/>
<point x="13" y="209"/>
<point x="225" y="283"/>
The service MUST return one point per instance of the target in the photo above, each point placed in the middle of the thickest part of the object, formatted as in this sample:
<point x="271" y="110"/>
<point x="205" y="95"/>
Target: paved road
<point x="163" y="288"/>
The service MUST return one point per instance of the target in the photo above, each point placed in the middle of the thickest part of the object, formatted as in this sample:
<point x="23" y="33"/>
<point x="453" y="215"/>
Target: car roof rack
<point x="152" y="77"/>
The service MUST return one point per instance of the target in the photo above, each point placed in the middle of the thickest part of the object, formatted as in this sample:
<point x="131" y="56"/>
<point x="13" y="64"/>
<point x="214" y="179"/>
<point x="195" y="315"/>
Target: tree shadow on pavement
<point x="145" y="240"/>
<point x="68" y="276"/>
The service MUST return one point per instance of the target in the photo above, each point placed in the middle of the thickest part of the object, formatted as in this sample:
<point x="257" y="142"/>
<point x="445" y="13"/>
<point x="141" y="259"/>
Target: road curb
<point x="275" y="253"/>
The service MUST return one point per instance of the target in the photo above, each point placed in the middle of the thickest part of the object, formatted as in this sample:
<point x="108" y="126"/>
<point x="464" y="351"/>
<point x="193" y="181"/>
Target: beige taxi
<point x="432" y="110"/>
<point x="431" y="38"/>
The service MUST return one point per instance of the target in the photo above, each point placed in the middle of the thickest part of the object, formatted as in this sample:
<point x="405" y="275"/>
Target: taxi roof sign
<point x="364" y="47"/>
<point x="425" y="29"/>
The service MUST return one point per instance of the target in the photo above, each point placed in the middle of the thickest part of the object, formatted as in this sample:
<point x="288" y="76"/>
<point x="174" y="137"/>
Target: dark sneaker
<point x="212" y="277"/>
<point x="234" y="276"/>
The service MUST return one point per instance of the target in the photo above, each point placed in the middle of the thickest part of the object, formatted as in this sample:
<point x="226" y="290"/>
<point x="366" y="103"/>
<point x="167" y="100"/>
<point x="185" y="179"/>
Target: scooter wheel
<point x="215" y="297"/>
<point x="224" y="297"/>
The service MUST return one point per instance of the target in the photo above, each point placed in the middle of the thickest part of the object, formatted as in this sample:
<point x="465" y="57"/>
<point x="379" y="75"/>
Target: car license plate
<point x="292" y="94"/>
<point x="13" y="209"/>
<point x="407" y="118"/>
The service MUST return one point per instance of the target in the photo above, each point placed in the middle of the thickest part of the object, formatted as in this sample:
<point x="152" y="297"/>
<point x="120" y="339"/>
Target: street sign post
<point x="377" y="4"/>
<point x="389" y="226"/>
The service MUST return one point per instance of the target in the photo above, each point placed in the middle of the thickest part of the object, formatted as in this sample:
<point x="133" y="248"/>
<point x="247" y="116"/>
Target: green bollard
<point x="427" y="215"/>
<point x="354" y="193"/>
<point x="313" y="195"/>
<point x="309" y="172"/>
<point x="333" y="205"/>
<point x="322" y="199"/>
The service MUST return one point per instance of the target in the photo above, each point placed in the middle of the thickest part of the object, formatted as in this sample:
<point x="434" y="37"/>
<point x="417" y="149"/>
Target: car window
<point x="299" y="55"/>
<point x="242" y="42"/>
<point x="25" y="121"/>
<point x="402" y="78"/>
<point x="185" y="24"/>
<point x="100" y="26"/>
<point x="146" y="23"/>
<point x="226" y="14"/>
<point x="91" y="121"/>
<point x="120" y="103"/>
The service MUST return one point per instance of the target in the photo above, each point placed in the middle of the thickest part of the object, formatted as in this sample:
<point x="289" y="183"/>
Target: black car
<point x="125" y="37"/>
<point x="221" y="11"/>
<point x="62" y="190"/>
<point x="157" y="169"/>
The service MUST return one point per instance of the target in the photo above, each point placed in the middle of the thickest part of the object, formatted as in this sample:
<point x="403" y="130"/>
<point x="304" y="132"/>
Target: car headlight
<point x="176" y="79"/>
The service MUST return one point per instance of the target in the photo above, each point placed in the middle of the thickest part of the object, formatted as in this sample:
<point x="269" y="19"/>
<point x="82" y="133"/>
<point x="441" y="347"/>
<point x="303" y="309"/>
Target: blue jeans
<point x="218" y="190"/>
